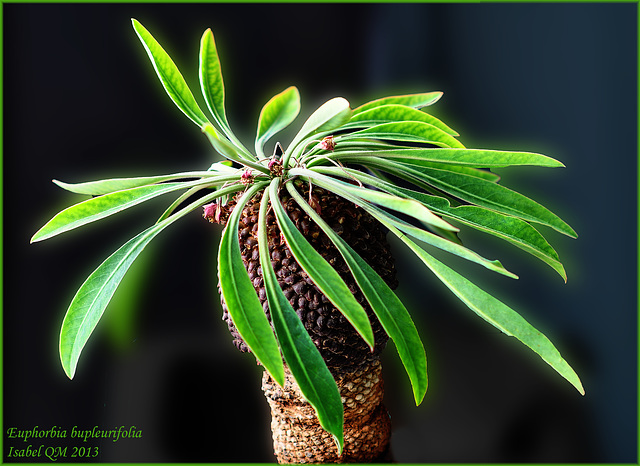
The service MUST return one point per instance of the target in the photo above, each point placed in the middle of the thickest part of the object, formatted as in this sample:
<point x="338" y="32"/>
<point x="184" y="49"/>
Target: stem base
<point x="298" y="436"/>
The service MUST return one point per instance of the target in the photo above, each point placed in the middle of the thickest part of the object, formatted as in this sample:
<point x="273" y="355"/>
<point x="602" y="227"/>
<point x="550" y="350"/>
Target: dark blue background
<point x="81" y="102"/>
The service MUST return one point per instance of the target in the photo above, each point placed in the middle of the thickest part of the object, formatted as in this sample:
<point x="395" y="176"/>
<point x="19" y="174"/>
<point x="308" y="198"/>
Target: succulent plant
<point x="305" y="270"/>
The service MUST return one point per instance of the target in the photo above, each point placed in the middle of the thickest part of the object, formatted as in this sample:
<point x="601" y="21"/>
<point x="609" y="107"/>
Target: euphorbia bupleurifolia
<point x="386" y="163"/>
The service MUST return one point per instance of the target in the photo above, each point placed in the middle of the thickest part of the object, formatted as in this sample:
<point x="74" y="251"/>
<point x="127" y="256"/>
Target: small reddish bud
<point x="211" y="212"/>
<point x="328" y="143"/>
<point x="275" y="167"/>
<point x="247" y="177"/>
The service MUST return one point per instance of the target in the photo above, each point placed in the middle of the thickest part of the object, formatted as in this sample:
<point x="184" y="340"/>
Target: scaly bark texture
<point x="298" y="436"/>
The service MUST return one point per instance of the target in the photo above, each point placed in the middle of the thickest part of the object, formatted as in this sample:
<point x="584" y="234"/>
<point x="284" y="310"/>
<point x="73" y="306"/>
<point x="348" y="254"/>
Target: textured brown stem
<point x="298" y="436"/>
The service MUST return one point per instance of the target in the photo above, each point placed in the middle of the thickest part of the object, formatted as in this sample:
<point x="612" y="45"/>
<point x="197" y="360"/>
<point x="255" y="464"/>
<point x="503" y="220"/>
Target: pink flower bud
<point x="247" y="177"/>
<point x="210" y="211"/>
<point x="328" y="143"/>
<point x="275" y="167"/>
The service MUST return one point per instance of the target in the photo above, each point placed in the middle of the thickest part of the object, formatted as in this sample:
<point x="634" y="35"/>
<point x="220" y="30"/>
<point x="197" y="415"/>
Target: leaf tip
<point x="208" y="36"/>
<point x="577" y="384"/>
<point x="339" y="443"/>
<point x="419" y="394"/>
<point x="69" y="368"/>
<point x="279" y="378"/>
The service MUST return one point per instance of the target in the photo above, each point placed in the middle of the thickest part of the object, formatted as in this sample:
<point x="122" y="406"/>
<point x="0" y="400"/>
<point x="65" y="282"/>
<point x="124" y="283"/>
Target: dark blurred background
<point x="81" y="102"/>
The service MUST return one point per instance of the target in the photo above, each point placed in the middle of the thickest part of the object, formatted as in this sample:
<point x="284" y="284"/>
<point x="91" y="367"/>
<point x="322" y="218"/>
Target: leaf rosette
<point x="402" y="165"/>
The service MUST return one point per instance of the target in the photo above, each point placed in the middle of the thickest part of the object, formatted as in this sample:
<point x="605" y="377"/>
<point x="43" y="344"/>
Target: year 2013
<point x="53" y="453"/>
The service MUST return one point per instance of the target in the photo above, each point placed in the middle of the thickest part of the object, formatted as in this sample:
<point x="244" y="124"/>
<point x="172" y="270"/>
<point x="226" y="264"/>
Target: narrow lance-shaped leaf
<point x="371" y="159"/>
<point x="395" y="113"/>
<point x="332" y="114"/>
<point x="226" y="166"/>
<point x="182" y="198"/>
<point x="411" y="100"/>
<point x="478" y="158"/>
<point x="477" y="191"/>
<point x="407" y="206"/>
<point x="493" y="196"/>
<point x="418" y="233"/>
<point x="92" y="297"/>
<point x="212" y="87"/>
<point x="322" y="274"/>
<point x="303" y="358"/>
<point x="240" y="296"/>
<point x="407" y="131"/>
<point x="511" y="229"/>
<point x="470" y="171"/>
<point x="170" y="76"/>
<point x="89" y="303"/>
<point x="100" y="207"/>
<point x="100" y="187"/>
<point x="211" y="82"/>
<point x="276" y="115"/>
<point x="225" y="148"/>
<point x="391" y="313"/>
<point x="496" y="313"/>
<point x="448" y="246"/>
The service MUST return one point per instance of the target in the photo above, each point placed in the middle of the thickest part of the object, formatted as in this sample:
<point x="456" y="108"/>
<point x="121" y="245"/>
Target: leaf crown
<point x="375" y="145"/>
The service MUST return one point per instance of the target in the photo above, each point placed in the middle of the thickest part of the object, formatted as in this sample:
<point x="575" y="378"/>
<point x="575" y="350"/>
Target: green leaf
<point x="511" y="229"/>
<point x="411" y="100"/>
<point x="303" y="358"/>
<point x="470" y="171"/>
<point x="226" y="166"/>
<point x="323" y="275"/>
<point x="492" y="196"/>
<point x="478" y="158"/>
<point x="418" y="233"/>
<point x="496" y="313"/>
<point x="182" y="198"/>
<point x="227" y="149"/>
<point x="276" y="115"/>
<point x="406" y="206"/>
<point x="170" y="76"/>
<point x="100" y="207"/>
<point x="407" y="131"/>
<point x="395" y="113"/>
<point x="391" y="313"/>
<point x="448" y="246"/>
<point x="212" y="87"/>
<point x="330" y="115"/>
<point x="362" y="145"/>
<point x="371" y="158"/>
<point x="240" y="296"/>
<point x="100" y="187"/>
<point x="211" y="82"/>
<point x="89" y="303"/>
<point x="94" y="295"/>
